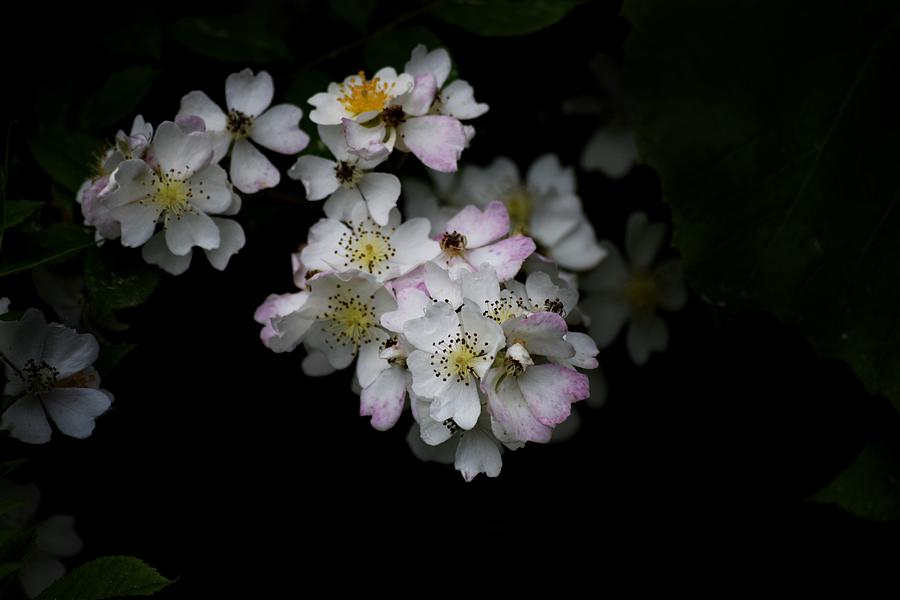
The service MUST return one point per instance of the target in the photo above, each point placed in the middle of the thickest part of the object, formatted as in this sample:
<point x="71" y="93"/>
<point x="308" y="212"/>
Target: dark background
<point x="221" y="464"/>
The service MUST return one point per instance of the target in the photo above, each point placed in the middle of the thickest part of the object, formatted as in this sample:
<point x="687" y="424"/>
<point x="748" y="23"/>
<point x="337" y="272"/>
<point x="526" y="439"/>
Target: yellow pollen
<point x="365" y="95"/>
<point x="367" y="249"/>
<point x="520" y="206"/>
<point x="641" y="292"/>
<point x="350" y="319"/>
<point x="172" y="195"/>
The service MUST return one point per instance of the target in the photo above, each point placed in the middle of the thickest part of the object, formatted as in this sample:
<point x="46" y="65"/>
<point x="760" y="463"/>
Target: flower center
<point x="39" y="378"/>
<point x="519" y="205"/>
<point x="457" y="356"/>
<point x="393" y="116"/>
<point x="347" y="173"/>
<point x="504" y="308"/>
<point x="366" y="249"/>
<point x="453" y="243"/>
<point x="239" y="124"/>
<point x="365" y="95"/>
<point x="349" y="319"/>
<point x="641" y="292"/>
<point x="554" y="306"/>
<point x="173" y="196"/>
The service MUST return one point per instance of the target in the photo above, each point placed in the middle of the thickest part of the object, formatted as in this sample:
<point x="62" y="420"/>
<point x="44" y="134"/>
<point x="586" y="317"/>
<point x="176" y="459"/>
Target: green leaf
<point x="114" y="279"/>
<point x="504" y="17"/>
<point x="392" y="48"/>
<point x="117" y="98"/>
<point x="110" y="357"/>
<point x="17" y="211"/>
<point x="67" y="156"/>
<point x="870" y="487"/>
<point x="141" y="39"/>
<point x="238" y="38"/>
<point x="777" y="142"/>
<point x="355" y="12"/>
<point x="51" y="244"/>
<point x="109" y="577"/>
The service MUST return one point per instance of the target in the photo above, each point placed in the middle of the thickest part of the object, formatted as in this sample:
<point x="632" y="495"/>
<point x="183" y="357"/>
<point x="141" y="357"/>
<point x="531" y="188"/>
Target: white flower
<point x="176" y="185"/>
<point x="635" y="291"/>
<point x="340" y="318"/>
<point x="474" y="237"/>
<point x="385" y="398"/>
<point x="249" y="117"/>
<point x="49" y="371"/>
<point x="4" y="306"/>
<point x="54" y="538"/>
<point x="358" y="98"/>
<point x="361" y="244"/>
<point x="471" y="451"/>
<point x="126" y="146"/>
<point x="346" y="179"/>
<point x="545" y="206"/>
<point x="453" y="351"/>
<point x="612" y="150"/>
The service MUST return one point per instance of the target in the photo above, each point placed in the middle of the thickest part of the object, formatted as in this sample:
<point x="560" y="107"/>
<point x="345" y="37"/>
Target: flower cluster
<point x="164" y="190"/>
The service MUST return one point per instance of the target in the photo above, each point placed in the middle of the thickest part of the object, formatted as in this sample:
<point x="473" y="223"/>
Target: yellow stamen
<point x="365" y="95"/>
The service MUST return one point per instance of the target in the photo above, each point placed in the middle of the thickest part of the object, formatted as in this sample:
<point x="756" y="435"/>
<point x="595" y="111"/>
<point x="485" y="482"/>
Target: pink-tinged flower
<point x="545" y="206"/>
<point x="360" y="244"/>
<point x="473" y="238"/>
<point x="347" y="179"/>
<point x="49" y="371"/>
<point x="340" y="318"/>
<point x="250" y="117"/>
<point x="528" y="401"/>
<point x="453" y="351"/>
<point x="125" y="147"/>
<point x="177" y="186"/>
<point x="472" y="451"/>
<point x="385" y="398"/>
<point x="457" y="100"/>
<point x="231" y="239"/>
<point x="634" y="291"/>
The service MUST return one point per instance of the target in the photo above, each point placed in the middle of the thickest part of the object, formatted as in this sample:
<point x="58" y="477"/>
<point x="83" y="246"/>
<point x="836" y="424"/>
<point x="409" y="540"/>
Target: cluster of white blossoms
<point x="164" y="190"/>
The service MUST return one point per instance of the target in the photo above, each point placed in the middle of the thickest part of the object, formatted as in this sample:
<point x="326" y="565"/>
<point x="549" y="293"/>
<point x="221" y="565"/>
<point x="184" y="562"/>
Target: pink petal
<point x="550" y="390"/>
<point x="384" y="399"/>
<point x="480" y="228"/>
<point x="506" y="256"/>
<point x="437" y="140"/>
<point x="418" y="102"/>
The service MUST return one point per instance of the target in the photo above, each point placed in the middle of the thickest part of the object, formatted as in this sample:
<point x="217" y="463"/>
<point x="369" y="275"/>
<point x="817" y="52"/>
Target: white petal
<point x="413" y="245"/>
<point x="418" y="102"/>
<point x="248" y="93"/>
<point x="458" y="401"/>
<point x="554" y="217"/>
<point x="369" y="364"/>
<point x="315" y="364"/>
<point x="643" y="240"/>
<point x="129" y="182"/>
<point x="68" y="351"/>
<point x="505" y="256"/>
<point x="278" y="129"/>
<point x="511" y="412"/>
<point x="440" y="287"/>
<point x="324" y="237"/>
<point x="179" y="153"/>
<point x="578" y="250"/>
<point x="481" y="227"/>
<point x="611" y="275"/>
<point x="481" y="287"/>
<point x="333" y="138"/>
<point x="38" y="573"/>
<point x="440" y="453"/>
<point x="383" y="400"/>
<point x="437" y="63"/>
<point x="317" y="176"/>
<point x="156" y="252"/>
<point x="542" y="333"/>
<point x="56" y="536"/>
<point x="138" y="222"/>
<point x="25" y="420"/>
<point x="74" y="409"/>
<point x="192" y="229"/>
<point x="342" y="204"/>
<point x="411" y="304"/>
<point x="585" y="350"/>
<point x="612" y="151"/>
<point x="232" y="239"/>
<point x="546" y="175"/>
<point x="211" y="191"/>
<point x="477" y="453"/>
<point x="646" y="334"/>
<point x="198" y="104"/>
<point x="424" y="382"/>
<point x="380" y="191"/>
<point x="440" y="320"/>
<point x="366" y="142"/>
<point x="607" y="313"/>
<point x="23" y="339"/>
<point x="250" y="170"/>
<point x="551" y="389"/>
<point x="458" y="101"/>
<point x="339" y="355"/>
<point x="485" y="333"/>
